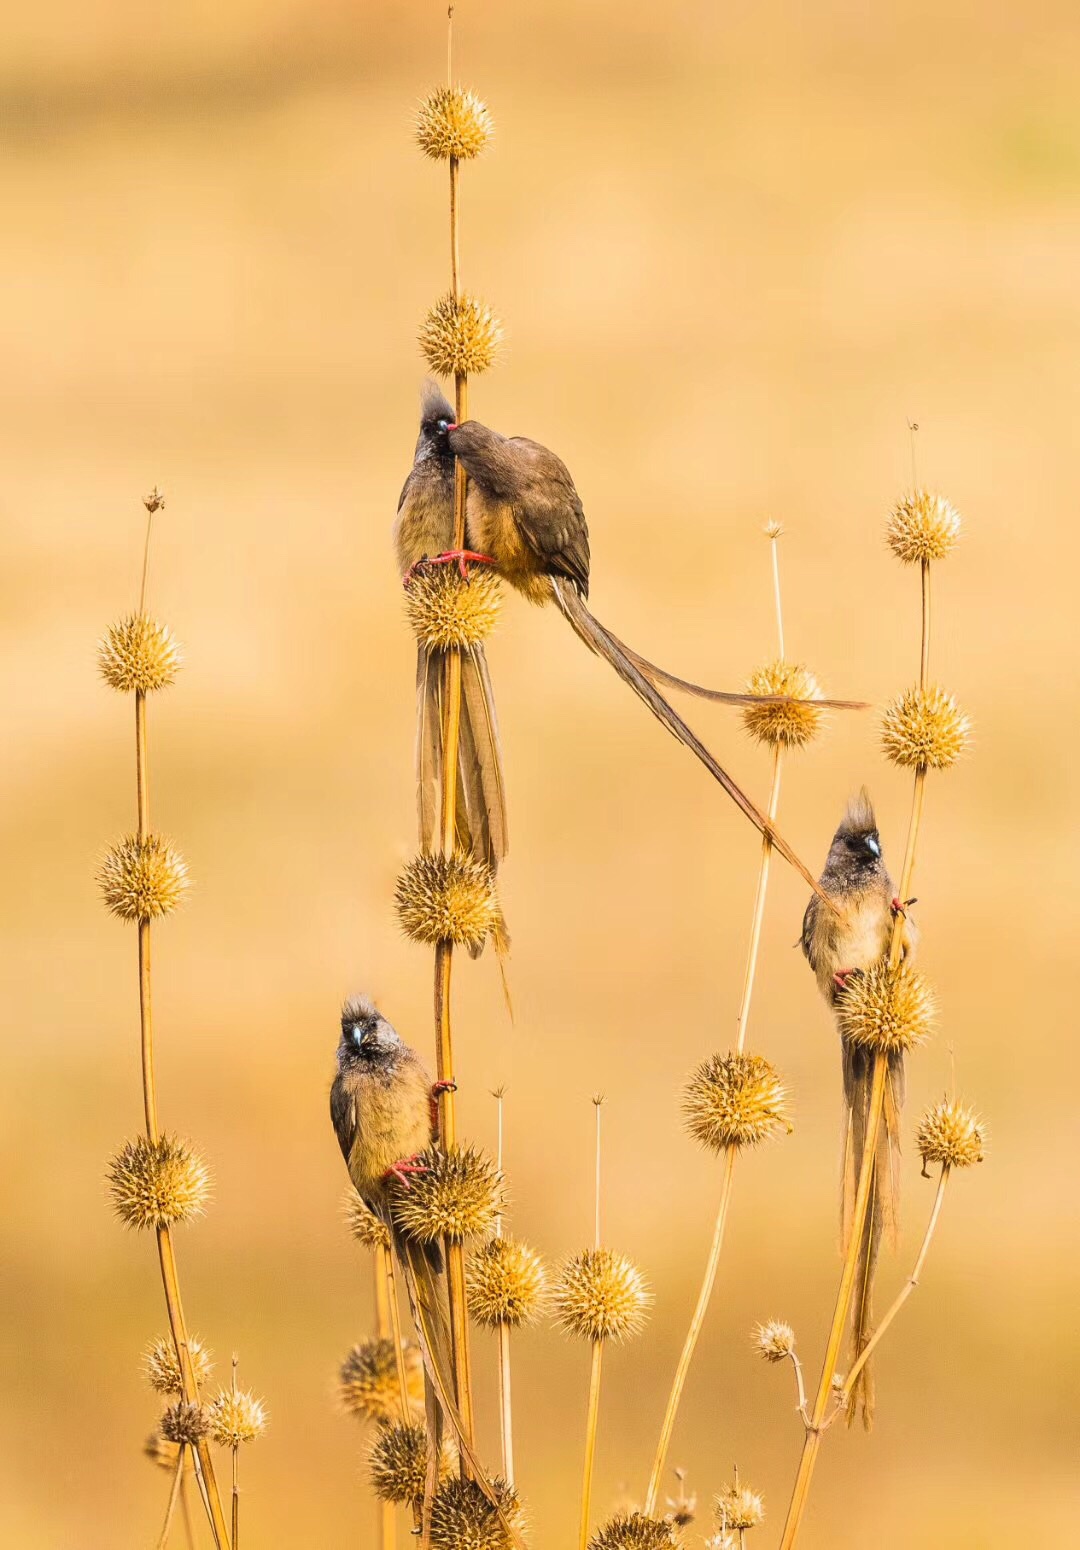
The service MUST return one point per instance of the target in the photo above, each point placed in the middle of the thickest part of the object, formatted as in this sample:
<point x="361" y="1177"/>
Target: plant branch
<point x="174" y="1495"/>
<point x="591" y="1420"/>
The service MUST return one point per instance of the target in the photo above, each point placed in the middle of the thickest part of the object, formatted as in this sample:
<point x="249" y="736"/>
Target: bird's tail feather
<point x="600" y="640"/>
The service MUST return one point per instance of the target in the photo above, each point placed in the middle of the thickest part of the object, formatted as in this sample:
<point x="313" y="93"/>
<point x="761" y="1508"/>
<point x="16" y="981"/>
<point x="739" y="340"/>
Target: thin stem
<point x="185" y="1510"/>
<point x="450" y="45"/>
<point x="598" y="1104"/>
<point x="774" y="545"/>
<point x="150" y="509"/>
<point x="390" y="1277"/>
<point x="591" y="1420"/>
<point x="506" y="1405"/>
<point x="759" y="903"/>
<point x="800" y="1384"/>
<point x="692" y="1334"/>
<point x="499" y="1095"/>
<point x="174" y="1495"/>
<point x="235" y="1471"/>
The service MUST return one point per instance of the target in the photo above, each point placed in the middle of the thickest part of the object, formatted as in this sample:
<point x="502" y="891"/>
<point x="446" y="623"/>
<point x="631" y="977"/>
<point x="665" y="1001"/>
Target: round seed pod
<point x="368" y="1380"/>
<point x="460" y="337"/>
<point x="457" y="1196"/>
<point x="142" y="879"/>
<point x="185" y="1423"/>
<point x="792" y="723"/>
<point x="635" y="1531"/>
<point x="600" y="1295"/>
<point x="462" y="1518"/>
<point x="452" y="123"/>
<point x="506" y="1284"/>
<point x="774" y="1340"/>
<point x="734" y="1100"/>
<point x="447" y="899"/>
<point x="886" y="1009"/>
<point x="398" y="1463"/>
<point x="236" y="1418"/>
<point x="922" y="527"/>
<point x="157" y="1183"/>
<point x="364" y="1225"/>
<point x="138" y="654"/>
<point x="951" y="1135"/>
<point x="925" y="729"/>
<point x="447" y="610"/>
<point x="163" y="1370"/>
<point x="738" y="1508"/>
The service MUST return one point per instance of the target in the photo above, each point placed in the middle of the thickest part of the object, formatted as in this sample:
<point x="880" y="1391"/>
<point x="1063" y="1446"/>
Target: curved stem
<point x="174" y="1496"/>
<point x="591" y="1419"/>
<point x="759" y="904"/>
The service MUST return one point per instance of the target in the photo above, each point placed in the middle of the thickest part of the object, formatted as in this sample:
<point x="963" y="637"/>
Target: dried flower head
<point x="951" y="1135"/>
<point x="734" y="1100"/>
<point x="185" y="1423"/>
<point x="885" y="1008"/>
<point x="236" y="1417"/>
<point x="634" y="1531"/>
<point x="155" y="501"/>
<point x="398" y="1462"/>
<point x="447" y="899"/>
<point x="789" y="723"/>
<point x="452" y="123"/>
<point x="600" y="1295"/>
<point x="922" y="527"/>
<point x="158" y="1183"/>
<point x="138" y="654"/>
<point x="160" y="1451"/>
<point x="446" y="609"/>
<point x="142" y="879"/>
<point x="462" y="1518"/>
<point x="774" y="1340"/>
<point x="457" y="1196"/>
<point x="163" y="1370"/>
<point x="506" y="1284"/>
<point x="925" y="729"/>
<point x="362" y="1222"/>
<point x="738" y="1508"/>
<point x="460" y="337"/>
<point x="368" y="1380"/>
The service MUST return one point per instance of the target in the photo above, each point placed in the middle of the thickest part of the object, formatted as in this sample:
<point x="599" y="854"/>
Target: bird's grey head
<point x="436" y="422"/>
<point x="856" y="848"/>
<point x="366" y="1036"/>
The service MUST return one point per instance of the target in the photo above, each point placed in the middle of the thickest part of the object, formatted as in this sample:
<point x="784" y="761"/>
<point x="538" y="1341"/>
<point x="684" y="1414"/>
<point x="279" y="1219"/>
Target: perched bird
<point x="854" y="935"/>
<point x="423" y="529"/>
<point x="525" y="517"/>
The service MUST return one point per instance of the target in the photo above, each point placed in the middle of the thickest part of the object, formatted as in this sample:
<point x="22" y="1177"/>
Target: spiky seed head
<point x="885" y="1008"/>
<point x="236" y="1417"/>
<point x="138" y="654"/>
<point x="158" y="1183"/>
<point x="362" y="1222"/>
<point x="462" y="1518"/>
<point x="506" y="1284"/>
<point x="792" y="722"/>
<point x="160" y="1451"/>
<point x="925" y="729"/>
<point x="185" y="1422"/>
<point x="142" y="879"/>
<point x="452" y="123"/>
<point x="447" y="899"/>
<point x="735" y="1100"/>
<point x="457" y="1196"/>
<point x="634" y="1531"/>
<point x="368" y="1380"/>
<point x="460" y="337"/>
<point x="398" y="1463"/>
<point x="738" y="1508"/>
<point x="951" y="1135"/>
<point x="447" y="610"/>
<point x="600" y="1295"/>
<point x="163" y="1370"/>
<point x="155" y="501"/>
<point x="773" y="1340"/>
<point x="922" y="526"/>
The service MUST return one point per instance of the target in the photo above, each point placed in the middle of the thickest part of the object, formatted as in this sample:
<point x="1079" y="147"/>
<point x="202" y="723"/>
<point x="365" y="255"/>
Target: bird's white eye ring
<point x="873" y="844"/>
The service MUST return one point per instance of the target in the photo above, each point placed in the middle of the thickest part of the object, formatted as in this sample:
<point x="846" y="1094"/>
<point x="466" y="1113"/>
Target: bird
<point x="524" y="516"/>
<point x="424" y="529"/>
<point x="840" y="943"/>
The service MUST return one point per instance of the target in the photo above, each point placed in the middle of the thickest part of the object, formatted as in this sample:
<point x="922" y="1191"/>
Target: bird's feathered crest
<point x="859" y="816"/>
<point x="433" y="404"/>
<point x="358" y="1009"/>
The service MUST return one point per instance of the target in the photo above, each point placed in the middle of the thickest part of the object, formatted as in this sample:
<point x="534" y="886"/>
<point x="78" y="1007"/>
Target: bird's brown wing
<point x="549" y="512"/>
<point x="809" y="927"/>
<point x="343" y="1115"/>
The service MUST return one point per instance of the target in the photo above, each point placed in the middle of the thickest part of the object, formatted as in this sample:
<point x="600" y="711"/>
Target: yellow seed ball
<point x="458" y="1195"/>
<point x="163" y="1370"/>
<point x="158" y="1183"/>
<point x="506" y="1284"/>
<point x="738" y="1508"/>
<point x="236" y="1418"/>
<point x="774" y="1340"/>
<point x="368" y="1380"/>
<point x="600" y="1295"/>
<point x="886" y="1009"/>
<point x="138" y="654"/>
<point x="951" y="1135"/>
<point x="922" y="527"/>
<point x="462" y="1518"/>
<point x="460" y="337"/>
<point x="185" y="1423"/>
<point x="452" y="123"/>
<point x="925" y="729"/>
<point x="364" y="1225"/>
<point x="446" y="610"/>
<point x="142" y="879"/>
<point x="635" y="1531"/>
<point x="735" y="1100"/>
<point x="447" y="899"/>
<point x="790" y="723"/>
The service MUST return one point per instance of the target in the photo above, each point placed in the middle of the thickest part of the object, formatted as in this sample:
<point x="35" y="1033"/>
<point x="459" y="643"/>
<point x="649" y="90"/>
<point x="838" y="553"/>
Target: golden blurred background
<point x="736" y="248"/>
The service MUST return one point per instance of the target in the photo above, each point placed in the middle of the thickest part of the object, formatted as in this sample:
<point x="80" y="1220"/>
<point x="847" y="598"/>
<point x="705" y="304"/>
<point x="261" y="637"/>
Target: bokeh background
<point x="736" y="249"/>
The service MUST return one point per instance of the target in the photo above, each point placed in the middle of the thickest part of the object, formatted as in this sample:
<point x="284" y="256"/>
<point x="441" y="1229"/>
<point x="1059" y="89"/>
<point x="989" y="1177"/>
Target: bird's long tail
<point x="606" y="645"/>
<point x="882" y="1216"/>
<point x="659" y="676"/>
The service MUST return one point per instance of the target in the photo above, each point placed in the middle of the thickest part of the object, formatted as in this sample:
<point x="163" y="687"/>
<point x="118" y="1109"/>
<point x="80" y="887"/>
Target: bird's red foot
<point x="464" y="557"/>
<point x="410" y="575"/>
<point x="438" y="1088"/>
<point x="841" y="977"/>
<point x="401" y="1170"/>
<point x="901" y="907"/>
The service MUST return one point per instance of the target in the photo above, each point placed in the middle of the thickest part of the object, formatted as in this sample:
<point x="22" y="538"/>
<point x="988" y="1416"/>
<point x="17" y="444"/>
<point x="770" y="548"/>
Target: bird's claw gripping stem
<point x="901" y="906"/>
<point x="463" y="557"/>
<point x="841" y="977"/>
<point x="438" y="1088"/>
<point x="401" y="1170"/>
